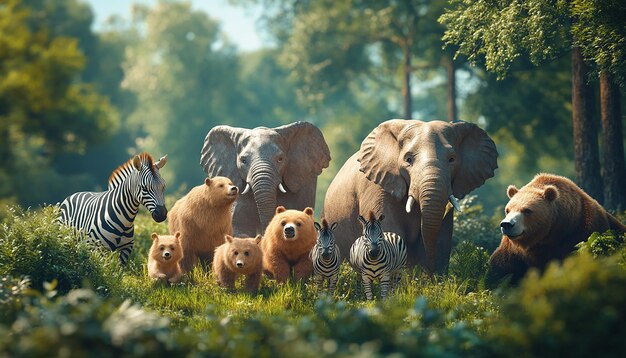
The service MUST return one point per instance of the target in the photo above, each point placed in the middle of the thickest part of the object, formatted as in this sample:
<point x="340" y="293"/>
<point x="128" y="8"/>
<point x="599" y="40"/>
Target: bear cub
<point x="287" y="242"/>
<point x="164" y="258"/>
<point x="239" y="256"/>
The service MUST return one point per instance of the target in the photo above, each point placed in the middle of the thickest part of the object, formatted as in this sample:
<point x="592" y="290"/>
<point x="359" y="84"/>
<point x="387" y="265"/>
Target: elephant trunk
<point x="264" y="186"/>
<point x="433" y="199"/>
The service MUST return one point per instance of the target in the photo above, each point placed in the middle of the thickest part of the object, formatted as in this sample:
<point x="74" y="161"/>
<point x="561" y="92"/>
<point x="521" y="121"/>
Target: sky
<point x="238" y="23"/>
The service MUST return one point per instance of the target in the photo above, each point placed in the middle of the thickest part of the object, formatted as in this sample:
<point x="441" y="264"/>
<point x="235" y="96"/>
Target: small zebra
<point x="108" y="217"/>
<point x="377" y="255"/>
<point x="325" y="257"/>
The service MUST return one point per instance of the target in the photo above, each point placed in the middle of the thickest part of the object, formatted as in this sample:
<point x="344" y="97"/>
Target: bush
<point x="35" y="245"/>
<point x="472" y="225"/>
<point x="603" y="244"/>
<point x="469" y="263"/>
<point x="576" y="309"/>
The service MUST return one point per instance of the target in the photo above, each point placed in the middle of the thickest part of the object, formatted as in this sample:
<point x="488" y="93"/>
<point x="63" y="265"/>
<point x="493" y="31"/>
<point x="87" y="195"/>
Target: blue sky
<point x="238" y="23"/>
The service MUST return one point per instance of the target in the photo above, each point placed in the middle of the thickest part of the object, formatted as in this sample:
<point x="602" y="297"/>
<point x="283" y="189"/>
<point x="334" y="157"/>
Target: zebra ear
<point x="362" y="220"/>
<point x="154" y="236"/>
<point x="257" y="239"/>
<point x="333" y="226"/>
<point x="137" y="162"/>
<point x="318" y="227"/>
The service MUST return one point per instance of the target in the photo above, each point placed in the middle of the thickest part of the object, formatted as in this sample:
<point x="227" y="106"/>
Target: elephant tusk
<point x="455" y="202"/>
<point x="282" y="188"/>
<point x="246" y="189"/>
<point x="409" y="204"/>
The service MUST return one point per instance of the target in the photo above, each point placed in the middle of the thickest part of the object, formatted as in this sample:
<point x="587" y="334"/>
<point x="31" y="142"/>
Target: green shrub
<point x="12" y="292"/>
<point x="603" y="244"/>
<point x="472" y="225"/>
<point x="576" y="309"/>
<point x="469" y="263"/>
<point x="35" y="245"/>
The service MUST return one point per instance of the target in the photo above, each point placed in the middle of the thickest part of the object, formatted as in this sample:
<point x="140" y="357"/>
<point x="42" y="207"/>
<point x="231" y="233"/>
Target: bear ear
<point x="257" y="239"/>
<point x="280" y="209"/>
<point x="228" y="238"/>
<point x="177" y="235"/>
<point x="511" y="190"/>
<point x="309" y="211"/>
<point x="154" y="236"/>
<point x="550" y="193"/>
<point x="207" y="181"/>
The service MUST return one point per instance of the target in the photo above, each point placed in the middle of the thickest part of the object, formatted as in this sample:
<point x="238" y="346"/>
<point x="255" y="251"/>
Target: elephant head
<point x="428" y="163"/>
<point x="266" y="160"/>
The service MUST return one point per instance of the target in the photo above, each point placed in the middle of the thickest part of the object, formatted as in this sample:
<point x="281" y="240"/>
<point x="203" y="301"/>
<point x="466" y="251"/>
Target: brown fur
<point x="557" y="215"/>
<point x="245" y="250"/>
<point x="160" y="268"/>
<point x="280" y="256"/>
<point x="203" y="217"/>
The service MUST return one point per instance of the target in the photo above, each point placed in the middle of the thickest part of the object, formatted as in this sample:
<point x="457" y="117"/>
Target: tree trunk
<point x="406" y="85"/>
<point x="586" y="157"/>
<point x="451" y="68"/>
<point x="614" y="172"/>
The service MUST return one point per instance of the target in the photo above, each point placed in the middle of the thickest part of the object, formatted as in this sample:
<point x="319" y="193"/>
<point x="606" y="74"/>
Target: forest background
<point x="75" y="102"/>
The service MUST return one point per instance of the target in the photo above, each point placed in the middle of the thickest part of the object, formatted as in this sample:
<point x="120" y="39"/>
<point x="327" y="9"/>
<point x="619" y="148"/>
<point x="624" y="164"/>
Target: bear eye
<point x="283" y="223"/>
<point x="409" y="159"/>
<point x="236" y="253"/>
<point x="298" y="224"/>
<point x="507" y="210"/>
<point x="246" y="253"/>
<point x="221" y="185"/>
<point x="527" y="211"/>
<point x="172" y="247"/>
<point x="161" y="248"/>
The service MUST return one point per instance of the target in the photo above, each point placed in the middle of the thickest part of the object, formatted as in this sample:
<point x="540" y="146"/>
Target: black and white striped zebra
<point x="108" y="217"/>
<point x="326" y="257"/>
<point x="378" y="255"/>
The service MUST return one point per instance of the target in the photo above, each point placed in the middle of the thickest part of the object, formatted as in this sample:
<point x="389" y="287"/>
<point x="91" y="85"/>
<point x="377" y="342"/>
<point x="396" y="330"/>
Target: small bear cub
<point x="164" y="258"/>
<point x="239" y="256"/>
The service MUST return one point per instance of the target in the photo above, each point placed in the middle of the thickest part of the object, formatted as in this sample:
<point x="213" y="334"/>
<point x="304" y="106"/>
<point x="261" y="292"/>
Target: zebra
<point x="107" y="217"/>
<point x="325" y="257"/>
<point x="377" y="255"/>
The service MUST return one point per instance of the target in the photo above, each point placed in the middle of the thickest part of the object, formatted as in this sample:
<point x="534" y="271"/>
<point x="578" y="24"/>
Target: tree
<point x="45" y="109"/>
<point x="540" y="31"/>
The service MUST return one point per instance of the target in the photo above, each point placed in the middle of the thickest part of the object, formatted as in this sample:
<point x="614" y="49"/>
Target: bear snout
<point x="512" y="225"/>
<point x="167" y="255"/>
<point x="239" y="263"/>
<point x="289" y="231"/>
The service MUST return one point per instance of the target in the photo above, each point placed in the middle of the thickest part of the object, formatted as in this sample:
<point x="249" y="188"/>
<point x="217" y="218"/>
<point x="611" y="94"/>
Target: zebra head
<point x="325" y="238"/>
<point x="151" y="185"/>
<point x="373" y="233"/>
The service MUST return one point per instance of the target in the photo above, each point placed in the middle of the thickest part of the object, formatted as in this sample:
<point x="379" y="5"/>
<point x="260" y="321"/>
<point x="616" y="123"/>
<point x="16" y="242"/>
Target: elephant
<point x="274" y="166"/>
<point x="402" y="163"/>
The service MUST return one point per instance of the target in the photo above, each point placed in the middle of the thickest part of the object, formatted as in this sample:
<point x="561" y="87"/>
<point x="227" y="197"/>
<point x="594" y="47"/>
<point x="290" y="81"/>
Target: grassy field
<point x="120" y="311"/>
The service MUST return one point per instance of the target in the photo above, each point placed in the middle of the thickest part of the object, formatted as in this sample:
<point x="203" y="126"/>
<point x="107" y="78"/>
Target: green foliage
<point x="469" y="263"/>
<point x="603" y="244"/>
<point x="472" y="225"/>
<point x="33" y="244"/>
<point x="575" y="309"/>
<point x="12" y="292"/>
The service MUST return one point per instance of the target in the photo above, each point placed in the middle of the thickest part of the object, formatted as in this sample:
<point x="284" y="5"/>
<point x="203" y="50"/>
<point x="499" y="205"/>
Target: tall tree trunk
<point x="406" y="85"/>
<point x="451" y="68"/>
<point x="614" y="172"/>
<point x="586" y="156"/>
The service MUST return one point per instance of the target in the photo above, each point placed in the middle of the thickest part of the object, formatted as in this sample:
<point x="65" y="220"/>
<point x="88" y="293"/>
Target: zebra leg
<point x="367" y="284"/>
<point x="384" y="285"/>
<point x="332" y="283"/>
<point x="125" y="253"/>
<point x="319" y="281"/>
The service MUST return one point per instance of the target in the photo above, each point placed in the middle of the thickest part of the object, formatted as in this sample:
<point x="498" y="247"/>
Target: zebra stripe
<point x="108" y="217"/>
<point x="378" y="255"/>
<point x="326" y="257"/>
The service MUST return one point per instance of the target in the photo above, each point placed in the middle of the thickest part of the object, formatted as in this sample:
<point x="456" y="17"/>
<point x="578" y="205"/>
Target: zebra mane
<point x="120" y="173"/>
<point x="324" y="223"/>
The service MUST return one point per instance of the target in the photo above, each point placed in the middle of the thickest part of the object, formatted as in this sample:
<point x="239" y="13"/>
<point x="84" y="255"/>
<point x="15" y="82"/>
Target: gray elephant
<point x="280" y="165"/>
<point x="402" y="163"/>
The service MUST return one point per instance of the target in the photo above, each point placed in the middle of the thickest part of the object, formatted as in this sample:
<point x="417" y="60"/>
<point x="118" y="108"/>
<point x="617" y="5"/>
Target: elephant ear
<point x="478" y="158"/>
<point x="379" y="156"/>
<point x="307" y="154"/>
<point x="219" y="153"/>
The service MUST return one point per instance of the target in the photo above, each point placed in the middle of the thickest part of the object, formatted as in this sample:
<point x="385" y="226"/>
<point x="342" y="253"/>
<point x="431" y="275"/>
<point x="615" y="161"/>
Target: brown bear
<point x="164" y="258"/>
<point x="288" y="240"/>
<point x="239" y="256"/>
<point x="203" y="217"/>
<point x="544" y="221"/>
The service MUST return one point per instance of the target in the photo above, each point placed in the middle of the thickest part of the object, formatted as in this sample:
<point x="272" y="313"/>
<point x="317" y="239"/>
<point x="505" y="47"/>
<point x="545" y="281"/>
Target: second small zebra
<point x="377" y="255"/>
<point x="325" y="257"/>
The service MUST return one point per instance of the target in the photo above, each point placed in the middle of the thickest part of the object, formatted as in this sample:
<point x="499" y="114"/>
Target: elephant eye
<point x="243" y="160"/>
<point x="451" y="160"/>
<point x="280" y="159"/>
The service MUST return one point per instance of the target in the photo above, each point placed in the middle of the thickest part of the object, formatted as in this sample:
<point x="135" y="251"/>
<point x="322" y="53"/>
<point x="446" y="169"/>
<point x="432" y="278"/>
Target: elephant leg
<point x="444" y="242"/>
<point x="245" y="217"/>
